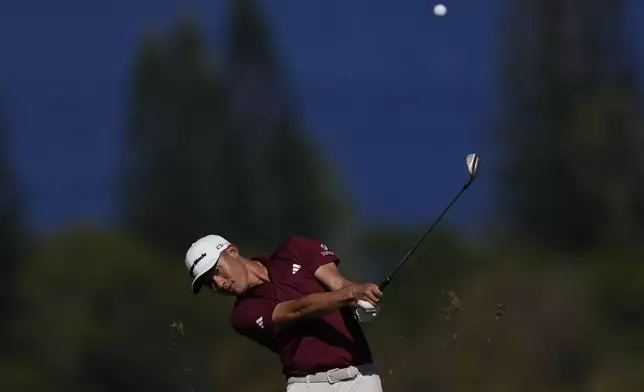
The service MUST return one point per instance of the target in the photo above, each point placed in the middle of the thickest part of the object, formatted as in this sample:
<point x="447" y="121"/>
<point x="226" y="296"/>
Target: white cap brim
<point x="196" y="284"/>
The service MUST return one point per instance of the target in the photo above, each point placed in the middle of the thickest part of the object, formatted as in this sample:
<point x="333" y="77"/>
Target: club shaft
<point x="389" y="277"/>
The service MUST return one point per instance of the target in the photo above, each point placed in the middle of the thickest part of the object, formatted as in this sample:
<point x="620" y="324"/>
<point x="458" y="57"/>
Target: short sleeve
<point x="314" y="254"/>
<point x="253" y="318"/>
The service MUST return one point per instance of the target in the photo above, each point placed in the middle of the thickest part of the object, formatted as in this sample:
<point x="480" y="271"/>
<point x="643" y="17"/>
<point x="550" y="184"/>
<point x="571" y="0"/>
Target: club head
<point x="473" y="162"/>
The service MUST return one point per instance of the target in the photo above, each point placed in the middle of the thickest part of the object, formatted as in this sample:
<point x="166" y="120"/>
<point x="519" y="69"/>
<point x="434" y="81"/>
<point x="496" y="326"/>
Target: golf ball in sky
<point x="440" y="10"/>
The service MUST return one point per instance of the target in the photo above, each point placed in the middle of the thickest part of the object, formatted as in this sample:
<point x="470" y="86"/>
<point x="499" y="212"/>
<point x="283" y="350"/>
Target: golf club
<point x="473" y="162"/>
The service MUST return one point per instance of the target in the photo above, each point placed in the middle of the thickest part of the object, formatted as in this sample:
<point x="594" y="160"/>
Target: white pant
<point x="363" y="382"/>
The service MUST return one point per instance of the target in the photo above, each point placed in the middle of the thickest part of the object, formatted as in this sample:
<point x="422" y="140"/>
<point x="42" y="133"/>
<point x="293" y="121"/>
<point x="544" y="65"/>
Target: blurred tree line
<point x="213" y="142"/>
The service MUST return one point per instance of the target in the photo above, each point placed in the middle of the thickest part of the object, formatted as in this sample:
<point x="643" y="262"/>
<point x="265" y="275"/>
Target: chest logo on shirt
<point x="260" y="322"/>
<point x="296" y="267"/>
<point x="326" y="251"/>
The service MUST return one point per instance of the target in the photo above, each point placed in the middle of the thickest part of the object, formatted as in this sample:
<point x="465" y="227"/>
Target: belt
<point x="334" y="375"/>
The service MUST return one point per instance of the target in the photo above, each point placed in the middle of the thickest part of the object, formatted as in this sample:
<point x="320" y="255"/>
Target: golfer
<point x="296" y="303"/>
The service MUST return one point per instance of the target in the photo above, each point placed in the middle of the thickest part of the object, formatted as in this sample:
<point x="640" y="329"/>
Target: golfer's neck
<point x="258" y="274"/>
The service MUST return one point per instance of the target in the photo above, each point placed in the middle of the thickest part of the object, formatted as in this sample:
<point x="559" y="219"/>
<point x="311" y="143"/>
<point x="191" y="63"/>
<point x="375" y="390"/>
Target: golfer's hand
<point x="368" y="292"/>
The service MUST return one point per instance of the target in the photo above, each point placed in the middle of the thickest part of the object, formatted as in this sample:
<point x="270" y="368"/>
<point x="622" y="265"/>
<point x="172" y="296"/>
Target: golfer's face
<point x="226" y="278"/>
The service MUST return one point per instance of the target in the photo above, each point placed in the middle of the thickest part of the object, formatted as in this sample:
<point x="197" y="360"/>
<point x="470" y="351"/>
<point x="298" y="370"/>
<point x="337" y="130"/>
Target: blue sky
<point x="396" y="107"/>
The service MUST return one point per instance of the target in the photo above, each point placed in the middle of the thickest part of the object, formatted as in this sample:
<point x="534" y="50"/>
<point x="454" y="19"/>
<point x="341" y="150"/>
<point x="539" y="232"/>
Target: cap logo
<point x="194" y="264"/>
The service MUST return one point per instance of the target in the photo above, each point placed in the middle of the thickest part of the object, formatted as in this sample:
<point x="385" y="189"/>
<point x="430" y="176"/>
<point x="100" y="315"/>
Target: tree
<point x="295" y="190"/>
<point x="215" y="148"/>
<point x="176" y="167"/>
<point x="100" y="309"/>
<point x="301" y="193"/>
<point x="12" y="230"/>
<point x="571" y="173"/>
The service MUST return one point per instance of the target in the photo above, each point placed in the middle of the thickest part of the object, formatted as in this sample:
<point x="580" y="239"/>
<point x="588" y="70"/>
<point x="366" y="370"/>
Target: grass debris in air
<point x="454" y="305"/>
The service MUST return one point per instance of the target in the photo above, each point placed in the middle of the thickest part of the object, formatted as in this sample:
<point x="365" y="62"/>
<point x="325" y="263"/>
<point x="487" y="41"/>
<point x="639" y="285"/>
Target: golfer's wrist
<point x="347" y="295"/>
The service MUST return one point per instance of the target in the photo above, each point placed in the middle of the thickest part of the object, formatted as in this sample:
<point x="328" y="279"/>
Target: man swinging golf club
<point x="296" y="303"/>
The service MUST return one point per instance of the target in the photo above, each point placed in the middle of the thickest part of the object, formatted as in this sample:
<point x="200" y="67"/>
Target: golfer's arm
<point x="312" y="306"/>
<point x="329" y="275"/>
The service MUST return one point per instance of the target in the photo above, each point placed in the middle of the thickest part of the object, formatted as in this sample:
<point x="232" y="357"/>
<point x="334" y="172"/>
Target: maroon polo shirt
<point x="332" y="341"/>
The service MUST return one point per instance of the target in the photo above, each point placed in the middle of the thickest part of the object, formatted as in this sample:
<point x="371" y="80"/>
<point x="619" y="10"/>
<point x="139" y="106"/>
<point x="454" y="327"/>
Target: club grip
<point x="384" y="284"/>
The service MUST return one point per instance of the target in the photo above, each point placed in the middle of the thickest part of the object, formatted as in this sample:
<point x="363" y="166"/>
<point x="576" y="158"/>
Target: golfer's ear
<point x="232" y="251"/>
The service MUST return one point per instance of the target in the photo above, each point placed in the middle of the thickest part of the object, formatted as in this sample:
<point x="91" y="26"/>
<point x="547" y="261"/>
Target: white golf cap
<point x="204" y="255"/>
